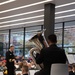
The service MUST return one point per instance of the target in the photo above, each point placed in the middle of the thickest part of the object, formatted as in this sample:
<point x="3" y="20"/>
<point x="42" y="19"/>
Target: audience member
<point x="70" y="70"/>
<point x="25" y="70"/>
<point x="73" y="65"/>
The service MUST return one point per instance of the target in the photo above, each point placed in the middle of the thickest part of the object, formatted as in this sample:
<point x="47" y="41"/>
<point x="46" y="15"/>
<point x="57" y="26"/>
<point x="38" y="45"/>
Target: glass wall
<point x="17" y="40"/>
<point x="58" y="32"/>
<point x="65" y="37"/>
<point x="4" y="42"/>
<point x="69" y="36"/>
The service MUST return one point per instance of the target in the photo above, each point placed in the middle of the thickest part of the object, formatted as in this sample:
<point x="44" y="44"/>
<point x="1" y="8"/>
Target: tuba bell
<point x="40" y="42"/>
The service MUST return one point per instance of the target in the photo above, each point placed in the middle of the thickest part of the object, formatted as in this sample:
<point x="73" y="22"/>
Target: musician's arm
<point x="39" y="57"/>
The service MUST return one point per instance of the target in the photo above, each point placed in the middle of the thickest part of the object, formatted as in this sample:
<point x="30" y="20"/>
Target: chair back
<point x="59" y="69"/>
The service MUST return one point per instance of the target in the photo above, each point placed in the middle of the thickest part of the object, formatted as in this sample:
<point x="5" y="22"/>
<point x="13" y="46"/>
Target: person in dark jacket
<point x="10" y="58"/>
<point x="50" y="55"/>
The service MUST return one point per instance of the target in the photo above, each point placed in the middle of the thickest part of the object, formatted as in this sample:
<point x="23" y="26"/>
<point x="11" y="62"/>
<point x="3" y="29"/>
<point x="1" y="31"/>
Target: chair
<point x="59" y="69"/>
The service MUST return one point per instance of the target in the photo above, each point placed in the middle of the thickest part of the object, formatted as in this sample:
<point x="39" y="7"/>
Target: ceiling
<point x="23" y="13"/>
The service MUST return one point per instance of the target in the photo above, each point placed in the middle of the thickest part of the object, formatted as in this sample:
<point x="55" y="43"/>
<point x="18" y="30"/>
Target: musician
<point x="50" y="55"/>
<point x="10" y="58"/>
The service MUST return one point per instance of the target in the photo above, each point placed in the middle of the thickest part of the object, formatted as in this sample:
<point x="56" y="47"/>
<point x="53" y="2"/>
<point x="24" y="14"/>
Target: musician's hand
<point x="35" y="53"/>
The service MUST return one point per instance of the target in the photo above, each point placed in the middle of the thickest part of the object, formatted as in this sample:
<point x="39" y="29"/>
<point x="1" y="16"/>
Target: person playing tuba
<point x="50" y="55"/>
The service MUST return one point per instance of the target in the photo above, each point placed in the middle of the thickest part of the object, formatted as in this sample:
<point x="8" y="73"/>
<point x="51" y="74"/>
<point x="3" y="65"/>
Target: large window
<point x="58" y="32"/>
<point x="65" y="37"/>
<point x="17" y="41"/>
<point x="69" y="36"/>
<point x="4" y="42"/>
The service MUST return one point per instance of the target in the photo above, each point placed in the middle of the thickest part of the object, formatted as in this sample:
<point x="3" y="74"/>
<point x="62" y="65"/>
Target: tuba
<point x="40" y="42"/>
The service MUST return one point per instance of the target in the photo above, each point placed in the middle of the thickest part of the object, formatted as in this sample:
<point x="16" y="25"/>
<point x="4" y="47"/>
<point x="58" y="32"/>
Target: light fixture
<point x="63" y="5"/>
<point x="65" y="16"/>
<point x="29" y="5"/>
<point x="41" y="10"/>
<point x="36" y="4"/>
<point x="31" y="12"/>
<point x="22" y="19"/>
<point x="5" y="2"/>
<point x="36" y="21"/>
<point x="35" y="16"/>
<point x="65" y="11"/>
<point x="17" y="24"/>
<point x="26" y="13"/>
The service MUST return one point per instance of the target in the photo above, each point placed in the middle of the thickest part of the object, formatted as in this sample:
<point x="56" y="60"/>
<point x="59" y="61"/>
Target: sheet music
<point x="71" y="58"/>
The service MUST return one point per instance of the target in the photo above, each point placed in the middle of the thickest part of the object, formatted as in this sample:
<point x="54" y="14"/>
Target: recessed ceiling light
<point x="22" y="19"/>
<point x="31" y="12"/>
<point x="17" y="24"/>
<point x="5" y="2"/>
<point x="36" y="21"/>
<point x="29" y="5"/>
<point x="64" y="16"/>
<point x="26" y="13"/>
<point x="65" y="11"/>
<point x="42" y="10"/>
<point x="63" y="5"/>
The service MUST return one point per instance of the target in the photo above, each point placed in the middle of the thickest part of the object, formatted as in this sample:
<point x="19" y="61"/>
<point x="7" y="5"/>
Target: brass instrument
<point x="40" y="42"/>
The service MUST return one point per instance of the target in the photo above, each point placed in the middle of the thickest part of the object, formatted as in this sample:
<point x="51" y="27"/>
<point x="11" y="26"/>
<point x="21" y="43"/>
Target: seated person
<point x="24" y="70"/>
<point x="73" y="65"/>
<point x="70" y="70"/>
<point x="4" y="67"/>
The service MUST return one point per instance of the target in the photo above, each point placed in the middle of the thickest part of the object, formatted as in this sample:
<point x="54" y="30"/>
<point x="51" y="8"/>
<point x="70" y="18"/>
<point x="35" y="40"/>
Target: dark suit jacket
<point x="9" y="56"/>
<point x="10" y="63"/>
<point x="71" y="73"/>
<point x="50" y="55"/>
